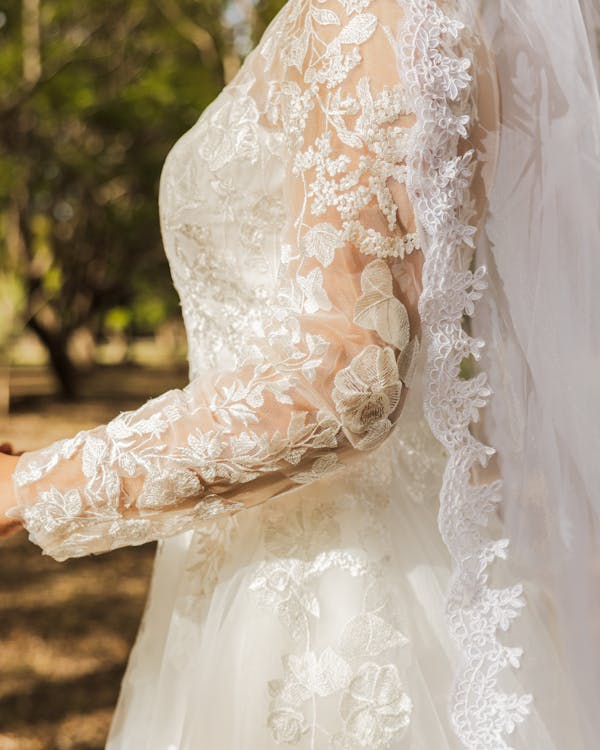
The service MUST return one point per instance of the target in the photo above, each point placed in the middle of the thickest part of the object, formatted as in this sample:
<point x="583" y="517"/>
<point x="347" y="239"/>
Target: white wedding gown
<point x="298" y="594"/>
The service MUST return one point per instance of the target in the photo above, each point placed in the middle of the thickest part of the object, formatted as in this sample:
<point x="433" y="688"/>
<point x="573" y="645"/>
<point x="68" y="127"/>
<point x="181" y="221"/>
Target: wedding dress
<point x="320" y="220"/>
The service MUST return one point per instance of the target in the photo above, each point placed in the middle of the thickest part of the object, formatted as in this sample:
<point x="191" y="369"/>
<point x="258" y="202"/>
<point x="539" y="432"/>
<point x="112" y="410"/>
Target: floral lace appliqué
<point x="359" y="669"/>
<point x="435" y="57"/>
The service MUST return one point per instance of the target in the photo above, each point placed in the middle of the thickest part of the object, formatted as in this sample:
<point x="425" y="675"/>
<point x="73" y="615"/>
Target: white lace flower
<point x="300" y="534"/>
<point x="280" y="581"/>
<point x="287" y="725"/>
<point x="374" y="707"/>
<point x="163" y="488"/>
<point x="320" y="674"/>
<point x="54" y="510"/>
<point x="366" y="393"/>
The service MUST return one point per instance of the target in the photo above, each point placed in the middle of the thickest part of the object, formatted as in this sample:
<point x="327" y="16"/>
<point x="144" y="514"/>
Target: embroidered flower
<point x="366" y="393"/>
<point x="279" y="585"/>
<point x="319" y="674"/>
<point x="301" y="531"/>
<point x="54" y="510"/>
<point x="287" y="725"/>
<point x="375" y="708"/>
<point x="163" y="488"/>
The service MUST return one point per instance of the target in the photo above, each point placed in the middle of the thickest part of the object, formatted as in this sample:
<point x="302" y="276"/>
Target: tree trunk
<point x="32" y="64"/>
<point x="56" y="345"/>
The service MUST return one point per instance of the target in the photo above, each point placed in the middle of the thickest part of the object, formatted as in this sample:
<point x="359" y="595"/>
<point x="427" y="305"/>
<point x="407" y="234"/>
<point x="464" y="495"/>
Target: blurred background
<point x="92" y="97"/>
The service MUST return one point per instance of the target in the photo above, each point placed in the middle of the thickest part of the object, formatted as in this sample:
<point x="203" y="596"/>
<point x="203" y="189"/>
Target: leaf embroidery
<point x="407" y="361"/>
<point x="315" y="295"/>
<point x="368" y="634"/>
<point x="378" y="309"/>
<point x="325" y="17"/>
<point x="360" y="28"/>
<point x="321" y="242"/>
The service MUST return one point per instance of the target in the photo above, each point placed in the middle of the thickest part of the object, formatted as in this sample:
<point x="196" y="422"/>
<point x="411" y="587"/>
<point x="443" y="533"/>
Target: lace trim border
<point x="438" y="180"/>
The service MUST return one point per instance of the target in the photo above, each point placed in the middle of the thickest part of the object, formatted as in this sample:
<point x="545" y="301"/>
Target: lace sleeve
<point x="327" y="377"/>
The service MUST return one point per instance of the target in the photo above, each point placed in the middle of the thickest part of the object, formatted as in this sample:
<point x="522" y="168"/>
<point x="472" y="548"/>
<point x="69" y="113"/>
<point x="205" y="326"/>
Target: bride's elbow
<point x="368" y="396"/>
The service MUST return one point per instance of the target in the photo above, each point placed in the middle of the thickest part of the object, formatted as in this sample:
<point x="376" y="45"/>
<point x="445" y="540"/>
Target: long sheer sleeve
<point x="326" y="377"/>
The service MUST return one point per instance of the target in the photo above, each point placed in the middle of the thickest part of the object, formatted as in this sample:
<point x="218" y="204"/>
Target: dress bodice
<point x="223" y="200"/>
<point x="221" y="210"/>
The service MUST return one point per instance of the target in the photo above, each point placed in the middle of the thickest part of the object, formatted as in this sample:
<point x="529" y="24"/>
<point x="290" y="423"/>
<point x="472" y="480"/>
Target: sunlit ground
<point x="66" y="629"/>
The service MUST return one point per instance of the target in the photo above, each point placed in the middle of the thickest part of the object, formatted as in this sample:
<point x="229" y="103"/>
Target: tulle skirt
<point x="316" y="621"/>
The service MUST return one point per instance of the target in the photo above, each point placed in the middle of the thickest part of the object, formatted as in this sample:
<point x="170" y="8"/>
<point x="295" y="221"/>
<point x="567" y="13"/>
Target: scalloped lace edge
<point x="437" y="76"/>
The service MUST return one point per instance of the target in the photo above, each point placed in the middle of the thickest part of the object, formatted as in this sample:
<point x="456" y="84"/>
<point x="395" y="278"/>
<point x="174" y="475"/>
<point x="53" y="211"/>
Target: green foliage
<point x="82" y="143"/>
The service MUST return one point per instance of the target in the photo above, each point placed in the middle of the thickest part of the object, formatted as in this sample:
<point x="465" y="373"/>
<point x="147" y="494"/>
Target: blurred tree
<point x="92" y="97"/>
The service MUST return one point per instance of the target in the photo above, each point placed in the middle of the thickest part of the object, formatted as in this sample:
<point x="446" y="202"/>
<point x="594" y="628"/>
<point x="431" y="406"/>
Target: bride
<point x="323" y="221"/>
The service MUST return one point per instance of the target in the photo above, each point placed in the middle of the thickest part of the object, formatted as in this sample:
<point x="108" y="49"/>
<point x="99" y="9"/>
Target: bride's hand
<point x="8" y="463"/>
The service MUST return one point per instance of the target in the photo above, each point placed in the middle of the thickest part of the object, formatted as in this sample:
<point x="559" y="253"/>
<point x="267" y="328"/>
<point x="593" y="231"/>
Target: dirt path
<point x="66" y="629"/>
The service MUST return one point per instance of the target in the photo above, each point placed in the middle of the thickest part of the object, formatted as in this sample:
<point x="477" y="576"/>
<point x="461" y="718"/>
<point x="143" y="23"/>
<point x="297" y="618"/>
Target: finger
<point x="9" y="528"/>
<point x="7" y="448"/>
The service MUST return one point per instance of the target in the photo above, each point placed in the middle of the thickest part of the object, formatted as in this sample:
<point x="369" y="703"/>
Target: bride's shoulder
<point x="319" y="42"/>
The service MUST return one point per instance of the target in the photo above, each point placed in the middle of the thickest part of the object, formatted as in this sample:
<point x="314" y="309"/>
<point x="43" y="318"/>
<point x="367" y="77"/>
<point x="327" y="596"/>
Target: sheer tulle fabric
<point x="541" y="319"/>
<point x="227" y="638"/>
<point x="300" y="594"/>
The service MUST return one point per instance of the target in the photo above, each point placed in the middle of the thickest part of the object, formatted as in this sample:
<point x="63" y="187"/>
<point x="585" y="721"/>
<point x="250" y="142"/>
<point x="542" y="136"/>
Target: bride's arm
<point x="8" y="463"/>
<point x="327" y="379"/>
